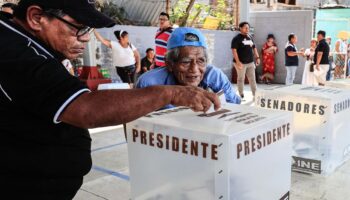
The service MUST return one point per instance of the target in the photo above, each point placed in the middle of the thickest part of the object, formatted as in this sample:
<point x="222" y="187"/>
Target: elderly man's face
<point x="62" y="37"/>
<point x="191" y="66"/>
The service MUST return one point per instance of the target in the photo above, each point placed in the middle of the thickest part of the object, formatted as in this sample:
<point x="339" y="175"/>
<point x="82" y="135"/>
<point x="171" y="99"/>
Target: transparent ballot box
<point x="321" y="141"/>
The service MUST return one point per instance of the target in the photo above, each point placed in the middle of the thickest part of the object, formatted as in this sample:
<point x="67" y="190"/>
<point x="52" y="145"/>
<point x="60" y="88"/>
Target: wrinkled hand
<point x="195" y="98"/>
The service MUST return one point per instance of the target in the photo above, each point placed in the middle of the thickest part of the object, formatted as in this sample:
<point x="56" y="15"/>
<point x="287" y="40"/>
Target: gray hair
<point x="172" y="55"/>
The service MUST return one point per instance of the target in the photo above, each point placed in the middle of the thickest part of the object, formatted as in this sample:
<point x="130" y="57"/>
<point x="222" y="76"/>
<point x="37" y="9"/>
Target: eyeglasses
<point x="163" y="19"/>
<point x="81" y="30"/>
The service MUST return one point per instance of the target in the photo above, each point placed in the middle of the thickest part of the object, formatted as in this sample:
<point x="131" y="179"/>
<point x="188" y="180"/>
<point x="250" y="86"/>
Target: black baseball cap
<point x="83" y="11"/>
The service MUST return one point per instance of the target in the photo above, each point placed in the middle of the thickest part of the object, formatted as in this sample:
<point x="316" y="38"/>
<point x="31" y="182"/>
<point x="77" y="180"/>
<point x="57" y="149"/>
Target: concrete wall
<point x="219" y="42"/>
<point x="281" y="24"/>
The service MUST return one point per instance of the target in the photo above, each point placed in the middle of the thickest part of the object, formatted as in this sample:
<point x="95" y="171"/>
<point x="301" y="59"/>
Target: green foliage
<point x="220" y="12"/>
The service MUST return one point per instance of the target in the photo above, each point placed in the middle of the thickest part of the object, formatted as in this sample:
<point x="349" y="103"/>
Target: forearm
<point x="138" y="65"/>
<point x="113" y="107"/>
<point x="292" y="53"/>
<point x="102" y="40"/>
<point x="235" y="56"/>
<point x="267" y="51"/>
<point x="98" y="36"/>
<point x="319" y="57"/>
<point x="256" y="54"/>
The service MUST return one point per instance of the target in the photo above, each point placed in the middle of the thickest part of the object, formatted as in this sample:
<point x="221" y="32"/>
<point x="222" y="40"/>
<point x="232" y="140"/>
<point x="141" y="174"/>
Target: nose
<point x="194" y="68"/>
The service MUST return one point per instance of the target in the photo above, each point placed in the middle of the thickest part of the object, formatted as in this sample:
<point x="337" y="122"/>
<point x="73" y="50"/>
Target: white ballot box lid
<point x="307" y="91"/>
<point x="230" y="120"/>
<point x="113" y="86"/>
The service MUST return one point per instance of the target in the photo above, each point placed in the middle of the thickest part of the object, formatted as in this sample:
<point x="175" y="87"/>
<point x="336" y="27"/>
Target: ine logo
<point x="306" y="165"/>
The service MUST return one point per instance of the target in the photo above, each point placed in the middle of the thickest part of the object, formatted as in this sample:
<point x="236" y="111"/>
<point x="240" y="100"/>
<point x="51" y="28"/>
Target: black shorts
<point x="126" y="73"/>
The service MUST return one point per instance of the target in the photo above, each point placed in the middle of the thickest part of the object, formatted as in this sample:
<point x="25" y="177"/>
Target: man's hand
<point x="318" y="67"/>
<point x="258" y="61"/>
<point x="195" y="98"/>
<point x="239" y="65"/>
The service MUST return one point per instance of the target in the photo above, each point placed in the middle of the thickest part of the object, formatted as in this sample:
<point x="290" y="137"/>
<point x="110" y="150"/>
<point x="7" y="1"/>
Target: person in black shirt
<point x="7" y="10"/>
<point x="321" y="58"/>
<point x="244" y="50"/>
<point x="291" y="58"/>
<point x="148" y="61"/>
<point x="45" y="112"/>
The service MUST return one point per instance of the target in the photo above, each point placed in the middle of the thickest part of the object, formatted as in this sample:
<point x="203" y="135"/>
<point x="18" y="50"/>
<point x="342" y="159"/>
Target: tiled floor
<point x="109" y="177"/>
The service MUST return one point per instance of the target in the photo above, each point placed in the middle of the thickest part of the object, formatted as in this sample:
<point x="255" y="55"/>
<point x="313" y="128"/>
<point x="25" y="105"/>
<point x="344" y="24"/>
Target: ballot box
<point x="321" y="141"/>
<point x="339" y="83"/>
<point x="239" y="152"/>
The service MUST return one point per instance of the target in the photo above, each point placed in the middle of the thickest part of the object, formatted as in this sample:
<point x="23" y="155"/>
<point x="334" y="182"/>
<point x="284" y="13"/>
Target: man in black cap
<point x="45" y="112"/>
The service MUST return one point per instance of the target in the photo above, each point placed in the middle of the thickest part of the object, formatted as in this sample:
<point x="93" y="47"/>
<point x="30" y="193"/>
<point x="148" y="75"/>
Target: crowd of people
<point x="246" y="57"/>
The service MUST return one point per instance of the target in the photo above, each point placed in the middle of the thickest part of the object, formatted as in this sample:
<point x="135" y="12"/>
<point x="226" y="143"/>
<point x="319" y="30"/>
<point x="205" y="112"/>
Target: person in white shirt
<point x="124" y="55"/>
<point x="308" y="74"/>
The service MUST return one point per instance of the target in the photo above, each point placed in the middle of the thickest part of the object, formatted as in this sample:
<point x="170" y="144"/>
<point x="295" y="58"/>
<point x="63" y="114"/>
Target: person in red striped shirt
<point x="161" y="39"/>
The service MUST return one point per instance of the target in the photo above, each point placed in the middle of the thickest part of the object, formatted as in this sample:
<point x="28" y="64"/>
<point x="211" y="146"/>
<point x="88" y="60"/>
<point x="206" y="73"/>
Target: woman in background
<point x="308" y="75"/>
<point x="269" y="51"/>
<point x="125" y="56"/>
<point x="340" y="57"/>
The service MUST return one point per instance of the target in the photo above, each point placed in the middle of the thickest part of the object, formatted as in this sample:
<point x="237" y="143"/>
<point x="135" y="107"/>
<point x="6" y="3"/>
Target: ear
<point x="34" y="18"/>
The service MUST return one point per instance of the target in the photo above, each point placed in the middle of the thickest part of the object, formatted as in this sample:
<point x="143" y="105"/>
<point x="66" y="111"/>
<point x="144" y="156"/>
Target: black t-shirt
<point x="322" y="47"/>
<point x="244" y="45"/>
<point x="5" y="15"/>
<point x="145" y="63"/>
<point x="291" y="60"/>
<point x="34" y="90"/>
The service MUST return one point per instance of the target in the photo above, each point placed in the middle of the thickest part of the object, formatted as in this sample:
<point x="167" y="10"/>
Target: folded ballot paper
<point x="238" y="152"/>
<point x="321" y="118"/>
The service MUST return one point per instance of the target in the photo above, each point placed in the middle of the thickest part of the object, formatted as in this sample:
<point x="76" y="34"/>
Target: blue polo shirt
<point x="213" y="79"/>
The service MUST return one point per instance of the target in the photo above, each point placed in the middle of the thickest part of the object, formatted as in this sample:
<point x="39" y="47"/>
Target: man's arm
<point x="319" y="58"/>
<point x="104" y="41"/>
<point x="293" y="53"/>
<point x="257" y="57"/>
<point x="138" y="61"/>
<point x="112" y="107"/>
<point x="235" y="56"/>
<point x="218" y="81"/>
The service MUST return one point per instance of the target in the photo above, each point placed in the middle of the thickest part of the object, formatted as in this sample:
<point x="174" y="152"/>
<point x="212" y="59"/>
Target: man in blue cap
<point x="186" y="64"/>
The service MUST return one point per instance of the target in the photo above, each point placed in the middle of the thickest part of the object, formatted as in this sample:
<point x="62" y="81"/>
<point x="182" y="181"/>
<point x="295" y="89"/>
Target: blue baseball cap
<point x="185" y="36"/>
